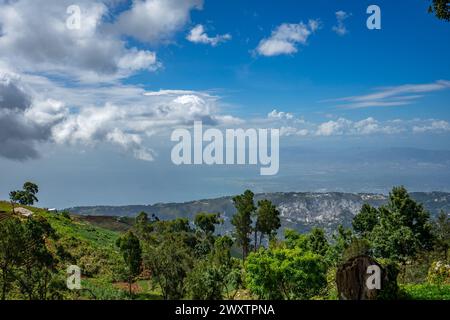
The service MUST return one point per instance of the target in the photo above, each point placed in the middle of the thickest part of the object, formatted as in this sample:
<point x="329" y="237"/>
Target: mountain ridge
<point x="298" y="210"/>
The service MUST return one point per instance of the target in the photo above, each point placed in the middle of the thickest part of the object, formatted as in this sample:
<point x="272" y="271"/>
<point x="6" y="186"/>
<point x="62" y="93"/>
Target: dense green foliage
<point x="398" y="230"/>
<point x="282" y="273"/>
<point x="150" y="258"/>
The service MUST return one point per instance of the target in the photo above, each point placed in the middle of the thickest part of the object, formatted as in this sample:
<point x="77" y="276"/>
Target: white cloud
<point x="340" y="28"/>
<point x="128" y="126"/>
<point x="292" y="131"/>
<point x="20" y="133"/>
<point x="392" y="96"/>
<point x="47" y="112"/>
<point x="167" y="93"/>
<point x="35" y="37"/>
<point x="34" y="109"/>
<point x="198" y="35"/>
<point x="130" y="141"/>
<point x="368" y="126"/>
<point x="153" y="21"/>
<point x="333" y="127"/>
<point x="286" y="37"/>
<point x="434" y="126"/>
<point x="294" y="127"/>
<point x="136" y="60"/>
<point x="274" y="114"/>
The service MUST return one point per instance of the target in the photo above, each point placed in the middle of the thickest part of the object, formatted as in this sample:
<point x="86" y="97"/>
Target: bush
<point x="439" y="273"/>
<point x="285" y="274"/>
<point x="205" y="282"/>
<point x="65" y="214"/>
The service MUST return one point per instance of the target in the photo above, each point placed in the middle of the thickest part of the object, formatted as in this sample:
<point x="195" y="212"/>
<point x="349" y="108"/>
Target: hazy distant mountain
<point x="299" y="210"/>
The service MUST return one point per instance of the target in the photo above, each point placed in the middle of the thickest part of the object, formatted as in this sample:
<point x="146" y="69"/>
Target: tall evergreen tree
<point x="403" y="227"/>
<point x="267" y="220"/>
<point x="364" y="222"/>
<point x="242" y="220"/>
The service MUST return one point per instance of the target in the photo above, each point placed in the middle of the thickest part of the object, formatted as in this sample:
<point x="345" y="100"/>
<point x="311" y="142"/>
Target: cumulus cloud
<point x="333" y="127"/>
<point x="199" y="35"/>
<point x="391" y="96"/>
<point x="153" y="21"/>
<point x="366" y="126"/>
<point x="290" y="126"/>
<point x="19" y="134"/>
<point x="129" y="126"/>
<point x="274" y="114"/>
<point x="340" y="28"/>
<point x="38" y="40"/>
<point x="434" y="126"/>
<point x="286" y="38"/>
<point x="65" y="87"/>
<point x="34" y="109"/>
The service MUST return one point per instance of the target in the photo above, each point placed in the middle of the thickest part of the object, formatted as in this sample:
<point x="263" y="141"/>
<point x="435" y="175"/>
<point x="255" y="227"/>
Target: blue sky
<point x="406" y="50"/>
<point x="87" y="113"/>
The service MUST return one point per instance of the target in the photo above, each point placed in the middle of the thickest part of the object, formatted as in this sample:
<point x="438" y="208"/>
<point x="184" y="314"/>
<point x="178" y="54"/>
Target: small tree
<point x="216" y="274"/>
<point x="318" y="242"/>
<point x="130" y="248"/>
<point x="26" y="197"/>
<point x="142" y="225"/>
<point x="205" y="224"/>
<point x="169" y="261"/>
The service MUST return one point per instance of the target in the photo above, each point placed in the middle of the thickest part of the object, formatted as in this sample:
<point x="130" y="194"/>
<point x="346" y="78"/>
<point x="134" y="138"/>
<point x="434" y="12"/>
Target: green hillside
<point x="85" y="243"/>
<point x="148" y="258"/>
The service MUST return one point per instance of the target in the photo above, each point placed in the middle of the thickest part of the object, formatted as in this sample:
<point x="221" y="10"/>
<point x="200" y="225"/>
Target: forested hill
<point x="299" y="211"/>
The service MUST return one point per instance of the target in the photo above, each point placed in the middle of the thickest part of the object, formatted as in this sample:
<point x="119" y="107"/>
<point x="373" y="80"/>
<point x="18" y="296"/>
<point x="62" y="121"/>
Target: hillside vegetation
<point x="150" y="258"/>
<point x="78" y="242"/>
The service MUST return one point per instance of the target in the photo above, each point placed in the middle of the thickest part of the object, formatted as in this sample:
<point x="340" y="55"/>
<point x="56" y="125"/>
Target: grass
<point x="117" y="224"/>
<point x="426" y="291"/>
<point x="72" y="228"/>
